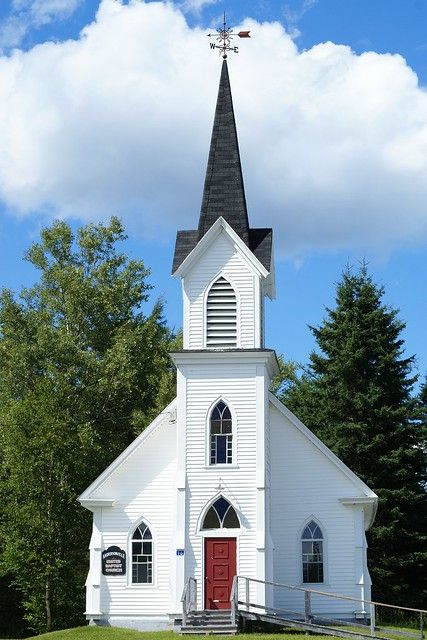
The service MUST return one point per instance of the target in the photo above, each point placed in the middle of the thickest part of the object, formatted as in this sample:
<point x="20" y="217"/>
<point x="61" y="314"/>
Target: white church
<point x="226" y="481"/>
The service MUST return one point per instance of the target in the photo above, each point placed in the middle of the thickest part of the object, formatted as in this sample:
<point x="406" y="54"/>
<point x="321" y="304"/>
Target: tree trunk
<point x="48" y="612"/>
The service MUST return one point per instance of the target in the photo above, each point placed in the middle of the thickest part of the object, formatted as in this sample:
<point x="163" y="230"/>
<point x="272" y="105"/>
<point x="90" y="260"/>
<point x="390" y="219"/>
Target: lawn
<point x="115" y="633"/>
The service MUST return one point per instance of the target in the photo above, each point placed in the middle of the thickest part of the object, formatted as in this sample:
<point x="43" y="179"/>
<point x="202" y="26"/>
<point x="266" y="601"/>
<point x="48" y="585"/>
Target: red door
<point x="220" y="569"/>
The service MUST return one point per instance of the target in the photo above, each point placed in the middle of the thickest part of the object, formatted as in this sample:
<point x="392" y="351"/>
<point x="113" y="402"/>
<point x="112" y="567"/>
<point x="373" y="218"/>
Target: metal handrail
<point x="234" y="600"/>
<point x="308" y="613"/>
<point x="332" y="595"/>
<point x="188" y="603"/>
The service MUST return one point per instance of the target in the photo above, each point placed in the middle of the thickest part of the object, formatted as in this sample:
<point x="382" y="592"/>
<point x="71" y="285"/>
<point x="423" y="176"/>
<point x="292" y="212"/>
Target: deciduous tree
<point x="81" y="364"/>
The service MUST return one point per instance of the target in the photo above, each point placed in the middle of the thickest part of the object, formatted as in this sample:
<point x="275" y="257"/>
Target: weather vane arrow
<point x="224" y="37"/>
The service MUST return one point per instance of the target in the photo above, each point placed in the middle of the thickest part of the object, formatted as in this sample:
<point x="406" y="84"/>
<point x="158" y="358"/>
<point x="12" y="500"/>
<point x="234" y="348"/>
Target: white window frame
<point x="141" y="585"/>
<point x="226" y="465"/>
<point x="300" y="573"/>
<point x="219" y="533"/>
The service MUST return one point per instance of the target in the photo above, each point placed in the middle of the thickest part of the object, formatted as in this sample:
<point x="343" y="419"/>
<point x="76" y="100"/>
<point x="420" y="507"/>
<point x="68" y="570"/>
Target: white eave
<point x="220" y="225"/>
<point x="369" y="502"/>
<point x="93" y="504"/>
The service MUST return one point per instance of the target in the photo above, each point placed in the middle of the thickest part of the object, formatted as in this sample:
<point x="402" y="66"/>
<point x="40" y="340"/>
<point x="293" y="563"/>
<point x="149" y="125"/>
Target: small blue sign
<point x="180" y="552"/>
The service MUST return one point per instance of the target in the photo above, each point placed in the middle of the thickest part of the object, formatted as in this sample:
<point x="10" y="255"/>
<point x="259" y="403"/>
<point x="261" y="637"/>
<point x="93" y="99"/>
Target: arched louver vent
<point x="221" y="315"/>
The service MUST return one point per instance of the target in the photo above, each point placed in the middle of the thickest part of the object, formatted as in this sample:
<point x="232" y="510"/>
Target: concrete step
<point x="227" y="629"/>
<point x="207" y="623"/>
<point x="204" y="616"/>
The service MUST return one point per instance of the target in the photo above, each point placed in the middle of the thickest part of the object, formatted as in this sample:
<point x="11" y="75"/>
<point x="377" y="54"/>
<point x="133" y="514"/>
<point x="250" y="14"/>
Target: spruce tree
<point x="356" y="396"/>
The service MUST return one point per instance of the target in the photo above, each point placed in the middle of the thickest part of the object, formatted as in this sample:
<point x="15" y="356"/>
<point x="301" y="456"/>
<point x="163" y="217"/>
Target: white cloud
<point x="293" y="16"/>
<point x="28" y="14"/>
<point x="45" y="11"/>
<point x="333" y="145"/>
<point x="196" y="6"/>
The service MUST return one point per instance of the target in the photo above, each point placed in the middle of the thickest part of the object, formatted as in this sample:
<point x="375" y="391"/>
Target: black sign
<point x="114" y="562"/>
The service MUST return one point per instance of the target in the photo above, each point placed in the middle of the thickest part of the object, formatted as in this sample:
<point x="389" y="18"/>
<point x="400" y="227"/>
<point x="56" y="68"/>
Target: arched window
<point x="142" y="555"/>
<point x="221" y="515"/>
<point x="312" y="553"/>
<point x="221" y="315"/>
<point x="221" y="436"/>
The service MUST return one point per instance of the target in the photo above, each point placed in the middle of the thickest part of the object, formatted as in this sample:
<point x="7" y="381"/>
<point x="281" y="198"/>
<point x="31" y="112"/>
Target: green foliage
<point x="356" y="396"/>
<point x="81" y="367"/>
<point x="286" y="376"/>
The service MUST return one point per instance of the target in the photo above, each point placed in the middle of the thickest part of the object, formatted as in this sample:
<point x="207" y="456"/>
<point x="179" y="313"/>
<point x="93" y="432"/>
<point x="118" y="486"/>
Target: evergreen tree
<point x="356" y="396"/>
<point x="81" y="366"/>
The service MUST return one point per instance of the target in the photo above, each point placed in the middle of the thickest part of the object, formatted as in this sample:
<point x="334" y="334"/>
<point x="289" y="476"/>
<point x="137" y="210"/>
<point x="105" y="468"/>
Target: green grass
<point x="115" y="633"/>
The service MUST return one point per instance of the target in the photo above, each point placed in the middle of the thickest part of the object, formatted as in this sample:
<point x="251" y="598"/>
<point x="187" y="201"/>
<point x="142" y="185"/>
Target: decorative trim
<point x="234" y="532"/>
<point x="265" y="357"/>
<point x="220" y="225"/>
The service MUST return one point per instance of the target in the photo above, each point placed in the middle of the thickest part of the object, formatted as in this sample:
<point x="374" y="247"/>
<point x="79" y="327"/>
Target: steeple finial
<point x="224" y="193"/>
<point x="224" y="37"/>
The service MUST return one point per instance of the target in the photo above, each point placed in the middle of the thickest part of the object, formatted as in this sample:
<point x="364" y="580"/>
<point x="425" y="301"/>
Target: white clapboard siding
<point x="305" y="484"/>
<point x="221" y="259"/>
<point x="144" y="488"/>
<point x="236" y="384"/>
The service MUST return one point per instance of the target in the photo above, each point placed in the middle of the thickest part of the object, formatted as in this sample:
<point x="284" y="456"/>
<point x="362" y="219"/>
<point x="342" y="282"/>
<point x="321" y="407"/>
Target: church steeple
<point x="224" y="192"/>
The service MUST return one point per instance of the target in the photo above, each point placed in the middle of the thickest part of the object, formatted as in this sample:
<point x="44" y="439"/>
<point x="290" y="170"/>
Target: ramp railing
<point x="189" y="598"/>
<point x="323" y="611"/>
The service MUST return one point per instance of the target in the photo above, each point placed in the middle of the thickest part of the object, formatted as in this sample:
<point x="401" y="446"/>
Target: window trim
<point x="218" y="533"/>
<point x="129" y="568"/>
<point x="224" y="465"/>
<point x="325" y="581"/>
<point x="221" y="274"/>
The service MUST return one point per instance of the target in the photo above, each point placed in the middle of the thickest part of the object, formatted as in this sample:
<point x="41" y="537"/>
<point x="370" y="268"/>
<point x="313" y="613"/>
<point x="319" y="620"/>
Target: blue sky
<point x="109" y="110"/>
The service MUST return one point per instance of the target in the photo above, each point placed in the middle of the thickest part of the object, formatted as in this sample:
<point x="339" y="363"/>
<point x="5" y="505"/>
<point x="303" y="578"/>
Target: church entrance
<point x="220" y="569"/>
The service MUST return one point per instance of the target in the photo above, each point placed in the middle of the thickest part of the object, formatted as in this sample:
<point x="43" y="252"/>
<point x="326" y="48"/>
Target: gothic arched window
<point x="312" y="553"/>
<point x="221" y="515"/>
<point x="221" y="435"/>
<point x="221" y="315"/>
<point x="142" y="555"/>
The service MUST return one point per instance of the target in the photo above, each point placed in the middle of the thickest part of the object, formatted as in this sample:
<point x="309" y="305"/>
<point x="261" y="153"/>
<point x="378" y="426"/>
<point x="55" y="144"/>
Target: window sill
<point x="221" y="466"/>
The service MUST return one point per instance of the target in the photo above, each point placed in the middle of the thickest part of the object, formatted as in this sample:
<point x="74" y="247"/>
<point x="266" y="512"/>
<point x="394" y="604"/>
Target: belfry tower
<point x="224" y="373"/>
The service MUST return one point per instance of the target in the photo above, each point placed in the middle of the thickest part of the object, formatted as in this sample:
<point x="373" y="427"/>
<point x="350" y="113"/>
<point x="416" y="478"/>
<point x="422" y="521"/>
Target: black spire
<point x="224" y="193"/>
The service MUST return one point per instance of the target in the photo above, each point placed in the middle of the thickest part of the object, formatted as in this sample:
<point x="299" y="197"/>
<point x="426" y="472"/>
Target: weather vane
<point x="224" y="37"/>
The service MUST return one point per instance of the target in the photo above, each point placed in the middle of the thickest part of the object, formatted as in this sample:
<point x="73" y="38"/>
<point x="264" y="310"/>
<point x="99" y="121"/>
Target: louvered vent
<point x="221" y="315"/>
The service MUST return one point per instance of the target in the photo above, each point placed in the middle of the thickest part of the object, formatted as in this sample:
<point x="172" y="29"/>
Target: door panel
<point x="220" y="569"/>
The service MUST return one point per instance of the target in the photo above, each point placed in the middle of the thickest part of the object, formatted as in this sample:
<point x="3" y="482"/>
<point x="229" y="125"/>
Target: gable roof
<point x="368" y="498"/>
<point x="86" y="498"/>
<point x="224" y="192"/>
<point x="260" y="243"/>
<point x="221" y="225"/>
